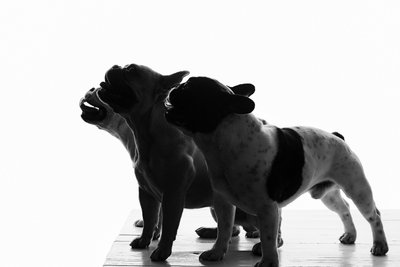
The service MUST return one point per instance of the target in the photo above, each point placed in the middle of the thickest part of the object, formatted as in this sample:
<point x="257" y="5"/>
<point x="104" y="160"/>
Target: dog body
<point x="171" y="170"/>
<point x="245" y="150"/>
<point x="261" y="168"/>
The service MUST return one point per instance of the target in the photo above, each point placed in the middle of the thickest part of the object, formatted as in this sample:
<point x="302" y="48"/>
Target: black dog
<point x="170" y="169"/>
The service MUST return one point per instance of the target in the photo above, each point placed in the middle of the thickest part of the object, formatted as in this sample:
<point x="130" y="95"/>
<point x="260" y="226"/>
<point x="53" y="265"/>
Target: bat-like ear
<point x="240" y="104"/>
<point x="169" y="81"/>
<point x="244" y="89"/>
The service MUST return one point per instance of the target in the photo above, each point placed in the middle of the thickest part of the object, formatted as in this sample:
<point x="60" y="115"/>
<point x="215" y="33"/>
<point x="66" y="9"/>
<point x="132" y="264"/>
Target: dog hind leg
<point x="335" y="202"/>
<point x="359" y="191"/>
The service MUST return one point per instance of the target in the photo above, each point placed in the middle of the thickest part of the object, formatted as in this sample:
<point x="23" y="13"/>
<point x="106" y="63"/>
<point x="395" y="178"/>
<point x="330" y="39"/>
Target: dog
<point x="98" y="113"/>
<point x="170" y="169"/>
<point x="261" y="168"/>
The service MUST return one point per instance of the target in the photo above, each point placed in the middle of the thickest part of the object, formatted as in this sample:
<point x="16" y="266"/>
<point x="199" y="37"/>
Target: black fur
<point x="201" y="103"/>
<point x="285" y="177"/>
<point x="115" y="91"/>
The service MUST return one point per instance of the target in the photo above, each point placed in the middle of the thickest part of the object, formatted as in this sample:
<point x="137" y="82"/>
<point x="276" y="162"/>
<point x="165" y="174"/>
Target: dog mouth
<point x="91" y="112"/>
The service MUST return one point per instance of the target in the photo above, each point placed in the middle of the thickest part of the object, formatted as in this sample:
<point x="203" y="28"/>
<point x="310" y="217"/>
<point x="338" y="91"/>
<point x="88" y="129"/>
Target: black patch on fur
<point x="285" y="177"/>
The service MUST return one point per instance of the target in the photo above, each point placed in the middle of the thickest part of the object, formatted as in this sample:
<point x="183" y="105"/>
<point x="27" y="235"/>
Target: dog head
<point x="97" y="112"/>
<point x="201" y="103"/>
<point x="136" y="87"/>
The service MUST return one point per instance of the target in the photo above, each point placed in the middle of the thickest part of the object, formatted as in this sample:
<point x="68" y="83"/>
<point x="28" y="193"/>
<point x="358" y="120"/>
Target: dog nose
<point x="115" y="67"/>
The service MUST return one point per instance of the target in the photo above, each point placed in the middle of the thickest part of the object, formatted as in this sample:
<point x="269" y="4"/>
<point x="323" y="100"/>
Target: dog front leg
<point x="172" y="207"/>
<point x="268" y="221"/>
<point x="225" y="216"/>
<point x="150" y="212"/>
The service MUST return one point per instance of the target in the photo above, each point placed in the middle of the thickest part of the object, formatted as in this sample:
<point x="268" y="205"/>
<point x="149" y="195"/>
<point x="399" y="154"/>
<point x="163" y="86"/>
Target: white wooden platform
<point x="310" y="236"/>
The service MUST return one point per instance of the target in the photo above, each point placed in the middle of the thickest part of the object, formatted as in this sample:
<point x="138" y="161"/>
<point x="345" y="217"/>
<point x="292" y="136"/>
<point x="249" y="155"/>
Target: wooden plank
<point x="310" y="236"/>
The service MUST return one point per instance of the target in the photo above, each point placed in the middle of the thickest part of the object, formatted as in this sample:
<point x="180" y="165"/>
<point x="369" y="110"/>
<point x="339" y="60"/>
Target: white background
<point x="66" y="187"/>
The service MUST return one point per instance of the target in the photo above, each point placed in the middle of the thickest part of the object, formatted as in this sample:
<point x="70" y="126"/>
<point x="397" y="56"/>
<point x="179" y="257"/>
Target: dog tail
<point x="338" y="135"/>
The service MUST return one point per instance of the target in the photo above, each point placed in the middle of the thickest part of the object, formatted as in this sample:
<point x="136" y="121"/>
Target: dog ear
<point x="240" y="104"/>
<point x="244" y="89"/>
<point x="169" y="81"/>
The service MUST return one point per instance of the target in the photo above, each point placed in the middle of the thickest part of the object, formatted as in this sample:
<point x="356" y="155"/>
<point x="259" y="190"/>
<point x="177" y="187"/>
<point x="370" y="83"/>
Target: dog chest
<point x="239" y="157"/>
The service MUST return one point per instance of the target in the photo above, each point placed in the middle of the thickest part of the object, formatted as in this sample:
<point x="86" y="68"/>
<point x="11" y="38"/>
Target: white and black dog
<point x="260" y="168"/>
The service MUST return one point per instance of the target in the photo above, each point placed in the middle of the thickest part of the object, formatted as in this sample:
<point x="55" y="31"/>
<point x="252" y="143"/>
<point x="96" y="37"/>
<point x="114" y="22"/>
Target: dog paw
<point x="379" y="248"/>
<point x="235" y="230"/>
<point x="211" y="233"/>
<point x="140" y="243"/>
<point x="253" y="234"/>
<point x="212" y="255"/>
<point x="160" y="254"/>
<point x="347" y="238"/>
<point x="207" y="233"/>
<point x="257" y="249"/>
<point x="138" y="223"/>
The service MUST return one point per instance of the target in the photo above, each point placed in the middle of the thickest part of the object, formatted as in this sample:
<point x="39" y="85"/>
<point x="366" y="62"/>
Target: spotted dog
<point x="260" y="168"/>
<point x="170" y="169"/>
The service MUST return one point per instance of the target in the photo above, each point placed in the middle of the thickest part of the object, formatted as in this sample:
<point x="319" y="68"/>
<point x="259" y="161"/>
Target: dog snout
<point x="89" y="93"/>
<point x="104" y="93"/>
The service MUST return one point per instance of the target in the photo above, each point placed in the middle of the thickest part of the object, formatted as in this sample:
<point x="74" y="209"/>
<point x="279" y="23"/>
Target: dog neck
<point x="152" y="132"/>
<point x="123" y="132"/>
<point x="233" y="131"/>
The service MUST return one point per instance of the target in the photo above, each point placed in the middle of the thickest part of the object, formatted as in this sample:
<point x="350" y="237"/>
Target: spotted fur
<point x="244" y="156"/>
